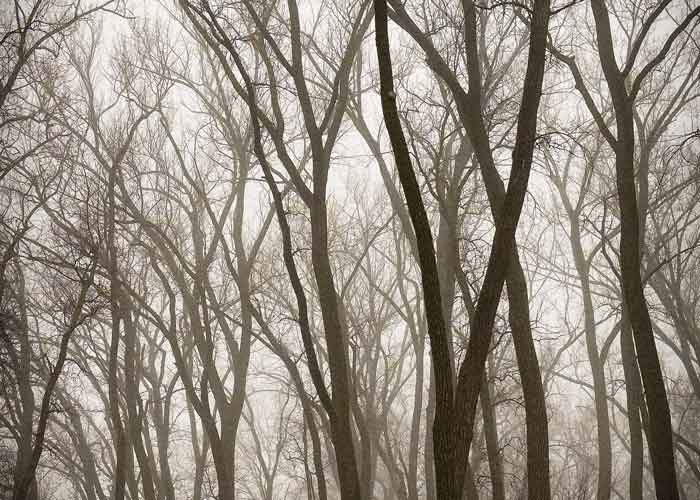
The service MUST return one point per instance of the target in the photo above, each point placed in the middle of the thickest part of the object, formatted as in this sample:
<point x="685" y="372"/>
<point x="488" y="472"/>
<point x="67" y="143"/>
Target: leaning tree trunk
<point x="442" y="379"/>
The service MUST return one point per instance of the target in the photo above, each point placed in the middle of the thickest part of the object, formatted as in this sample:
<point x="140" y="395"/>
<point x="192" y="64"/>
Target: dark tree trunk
<point x="660" y="430"/>
<point x="528" y="366"/>
<point x="633" y="389"/>
<point x="492" y="447"/>
<point x="451" y="451"/>
<point x="442" y="374"/>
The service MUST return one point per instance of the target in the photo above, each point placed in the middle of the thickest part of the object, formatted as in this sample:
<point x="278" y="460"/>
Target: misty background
<point x="342" y="249"/>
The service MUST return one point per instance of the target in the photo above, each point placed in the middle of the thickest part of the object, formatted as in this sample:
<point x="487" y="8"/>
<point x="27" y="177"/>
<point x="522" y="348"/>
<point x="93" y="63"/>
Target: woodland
<point x="349" y="249"/>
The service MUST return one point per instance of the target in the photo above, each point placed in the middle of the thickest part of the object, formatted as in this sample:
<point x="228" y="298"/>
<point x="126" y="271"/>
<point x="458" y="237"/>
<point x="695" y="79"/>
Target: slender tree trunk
<point x="660" y="435"/>
<point x="340" y="421"/>
<point x="316" y="449"/>
<point x="536" y="419"/>
<point x="338" y="405"/>
<point x="661" y="431"/>
<point x="633" y="389"/>
<point x="90" y="478"/>
<point x="161" y="415"/>
<point x="412" y="475"/>
<point x="597" y="367"/>
<point x="451" y="458"/>
<point x="528" y="366"/>
<point x="24" y="485"/>
<point x="120" y="442"/>
<point x="429" y="451"/>
<point x="500" y="261"/>
<point x="440" y="353"/>
<point x="135" y="407"/>
<point x="493" y="450"/>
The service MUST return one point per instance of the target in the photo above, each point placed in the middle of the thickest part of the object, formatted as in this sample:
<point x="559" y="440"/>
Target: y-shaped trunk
<point x="454" y="417"/>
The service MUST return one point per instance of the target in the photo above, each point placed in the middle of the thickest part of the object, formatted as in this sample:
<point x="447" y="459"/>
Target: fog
<point x="349" y="250"/>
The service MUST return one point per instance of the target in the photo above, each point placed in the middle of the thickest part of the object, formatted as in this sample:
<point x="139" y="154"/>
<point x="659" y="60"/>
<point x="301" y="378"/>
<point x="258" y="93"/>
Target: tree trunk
<point x="597" y="367"/>
<point x="440" y="354"/>
<point x="120" y="442"/>
<point x="493" y="450"/>
<point x="660" y="430"/>
<point x="633" y="389"/>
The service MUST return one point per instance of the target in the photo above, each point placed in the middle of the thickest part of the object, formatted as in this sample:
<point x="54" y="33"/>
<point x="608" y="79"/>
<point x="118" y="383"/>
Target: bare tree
<point x="258" y="250"/>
